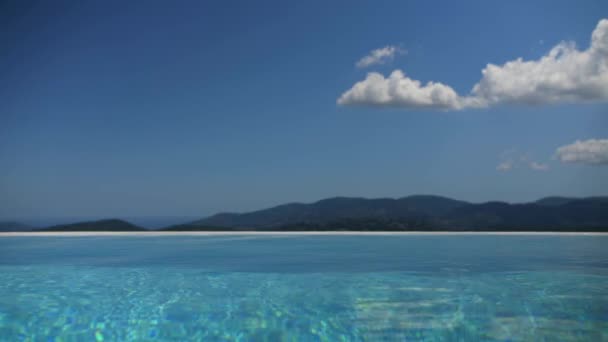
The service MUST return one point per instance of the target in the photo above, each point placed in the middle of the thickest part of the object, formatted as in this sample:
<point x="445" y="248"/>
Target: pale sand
<point x="224" y="233"/>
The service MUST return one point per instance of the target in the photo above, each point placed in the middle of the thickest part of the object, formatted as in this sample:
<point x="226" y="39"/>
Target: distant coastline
<point x="418" y="213"/>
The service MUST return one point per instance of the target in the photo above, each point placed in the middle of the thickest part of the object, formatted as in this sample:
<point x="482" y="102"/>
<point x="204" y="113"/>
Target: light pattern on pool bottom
<point x="82" y="303"/>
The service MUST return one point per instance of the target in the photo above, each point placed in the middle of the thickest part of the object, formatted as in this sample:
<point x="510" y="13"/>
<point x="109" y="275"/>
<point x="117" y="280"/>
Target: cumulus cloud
<point x="379" y="56"/>
<point x="398" y="90"/>
<point x="592" y="151"/>
<point x="564" y="74"/>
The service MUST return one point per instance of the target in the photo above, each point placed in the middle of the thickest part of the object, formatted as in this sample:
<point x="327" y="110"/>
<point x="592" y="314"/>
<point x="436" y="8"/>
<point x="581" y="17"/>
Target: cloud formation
<point x="511" y="159"/>
<point x="536" y="166"/>
<point x="505" y="166"/>
<point x="592" y="152"/>
<point x="564" y="75"/>
<point x="397" y="90"/>
<point x="379" y="56"/>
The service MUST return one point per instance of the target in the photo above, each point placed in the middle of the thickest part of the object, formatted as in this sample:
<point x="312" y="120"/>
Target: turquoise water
<point x="304" y="288"/>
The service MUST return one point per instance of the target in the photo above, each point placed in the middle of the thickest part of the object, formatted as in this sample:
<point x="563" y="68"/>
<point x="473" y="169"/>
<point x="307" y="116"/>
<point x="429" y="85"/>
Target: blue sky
<point x="113" y="108"/>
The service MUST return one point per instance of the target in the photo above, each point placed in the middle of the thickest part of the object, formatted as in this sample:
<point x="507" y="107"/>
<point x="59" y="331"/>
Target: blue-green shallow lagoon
<point x="305" y="288"/>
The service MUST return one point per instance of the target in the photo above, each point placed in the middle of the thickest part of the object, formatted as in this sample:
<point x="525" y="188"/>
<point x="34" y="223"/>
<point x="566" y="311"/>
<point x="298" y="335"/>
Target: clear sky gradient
<point x="135" y="108"/>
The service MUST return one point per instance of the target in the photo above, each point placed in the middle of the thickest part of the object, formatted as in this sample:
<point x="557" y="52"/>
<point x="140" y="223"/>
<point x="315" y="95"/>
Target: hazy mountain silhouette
<point x="555" y="200"/>
<point x="11" y="226"/>
<point x="336" y="208"/>
<point x="109" y="225"/>
<point x="573" y="215"/>
<point x="418" y="213"/>
<point x="412" y="213"/>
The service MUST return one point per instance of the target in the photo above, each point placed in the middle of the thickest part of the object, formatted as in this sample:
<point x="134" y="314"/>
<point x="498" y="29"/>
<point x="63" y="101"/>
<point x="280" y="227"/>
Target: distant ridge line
<point x="410" y="213"/>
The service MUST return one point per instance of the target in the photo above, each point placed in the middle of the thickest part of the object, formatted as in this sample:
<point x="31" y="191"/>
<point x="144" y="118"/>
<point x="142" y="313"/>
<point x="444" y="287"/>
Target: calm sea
<point x="305" y="288"/>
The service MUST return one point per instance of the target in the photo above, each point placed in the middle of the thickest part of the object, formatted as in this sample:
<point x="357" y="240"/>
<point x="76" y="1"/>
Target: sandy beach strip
<point x="268" y="233"/>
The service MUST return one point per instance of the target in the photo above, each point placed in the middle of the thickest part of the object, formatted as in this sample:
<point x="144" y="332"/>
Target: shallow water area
<point x="304" y="288"/>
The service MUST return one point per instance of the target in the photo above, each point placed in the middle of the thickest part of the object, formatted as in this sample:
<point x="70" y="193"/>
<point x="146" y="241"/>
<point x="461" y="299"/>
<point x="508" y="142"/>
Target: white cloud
<point x="379" y="56"/>
<point x="536" y="166"/>
<point x="505" y="166"/>
<point x="398" y="90"/>
<point x="511" y="159"/>
<point x="565" y="74"/>
<point x="592" y="151"/>
<point x="508" y="161"/>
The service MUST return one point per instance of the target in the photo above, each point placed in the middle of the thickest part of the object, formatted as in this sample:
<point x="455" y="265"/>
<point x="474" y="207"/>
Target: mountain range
<point x="412" y="213"/>
<point x="109" y="225"/>
<point x="12" y="226"/>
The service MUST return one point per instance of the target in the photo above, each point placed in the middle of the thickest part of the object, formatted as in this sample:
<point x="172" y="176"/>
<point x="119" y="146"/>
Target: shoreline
<point x="267" y="233"/>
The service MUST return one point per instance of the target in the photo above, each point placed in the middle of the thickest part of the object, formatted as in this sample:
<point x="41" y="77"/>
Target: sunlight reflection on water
<point x="390" y="289"/>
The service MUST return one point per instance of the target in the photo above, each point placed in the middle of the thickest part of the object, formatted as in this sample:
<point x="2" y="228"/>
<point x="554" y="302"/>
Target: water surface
<point x="305" y="288"/>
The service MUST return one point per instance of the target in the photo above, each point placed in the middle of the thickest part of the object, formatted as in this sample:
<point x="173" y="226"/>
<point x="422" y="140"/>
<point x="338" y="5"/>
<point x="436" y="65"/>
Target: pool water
<point x="305" y="288"/>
